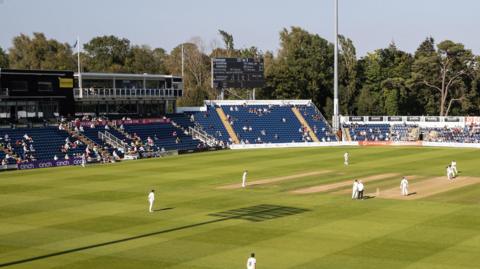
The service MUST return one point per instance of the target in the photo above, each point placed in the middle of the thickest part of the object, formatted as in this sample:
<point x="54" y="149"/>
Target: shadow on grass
<point x="164" y="209"/>
<point x="366" y="197"/>
<point x="253" y="213"/>
<point x="259" y="212"/>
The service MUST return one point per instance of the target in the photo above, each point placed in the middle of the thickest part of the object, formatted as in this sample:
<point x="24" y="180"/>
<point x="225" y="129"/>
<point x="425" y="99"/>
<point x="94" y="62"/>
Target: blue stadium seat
<point x="369" y="132"/>
<point x="164" y="135"/>
<point x="47" y="142"/>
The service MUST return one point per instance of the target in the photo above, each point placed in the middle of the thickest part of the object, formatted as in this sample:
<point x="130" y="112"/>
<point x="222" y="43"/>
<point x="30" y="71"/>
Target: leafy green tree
<point x="197" y="71"/>
<point x="142" y="59"/>
<point x="107" y="54"/>
<point x="3" y="59"/>
<point x="368" y="102"/>
<point x="302" y="69"/>
<point x="347" y="75"/>
<point x="384" y="74"/>
<point x="228" y="41"/>
<point x="422" y="100"/>
<point x="445" y="71"/>
<point x="40" y="53"/>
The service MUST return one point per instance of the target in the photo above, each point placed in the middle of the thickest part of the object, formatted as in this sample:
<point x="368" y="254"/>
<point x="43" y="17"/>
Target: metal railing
<point x="99" y="93"/>
<point x="198" y="133"/>
<point x="111" y="140"/>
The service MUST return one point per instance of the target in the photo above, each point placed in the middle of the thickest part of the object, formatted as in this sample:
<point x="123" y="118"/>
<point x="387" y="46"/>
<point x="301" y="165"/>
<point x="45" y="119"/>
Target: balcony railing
<point x="122" y="93"/>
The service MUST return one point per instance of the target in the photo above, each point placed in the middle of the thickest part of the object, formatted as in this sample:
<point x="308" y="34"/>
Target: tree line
<point x="437" y="79"/>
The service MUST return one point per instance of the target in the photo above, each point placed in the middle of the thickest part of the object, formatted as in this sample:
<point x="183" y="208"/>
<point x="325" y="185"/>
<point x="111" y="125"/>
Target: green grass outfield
<point x="97" y="217"/>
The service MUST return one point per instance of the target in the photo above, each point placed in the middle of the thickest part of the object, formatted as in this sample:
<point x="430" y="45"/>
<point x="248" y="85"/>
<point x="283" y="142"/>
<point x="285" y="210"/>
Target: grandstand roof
<point x="92" y="75"/>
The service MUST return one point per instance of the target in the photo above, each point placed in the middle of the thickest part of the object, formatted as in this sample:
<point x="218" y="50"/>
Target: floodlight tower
<point x="335" y="119"/>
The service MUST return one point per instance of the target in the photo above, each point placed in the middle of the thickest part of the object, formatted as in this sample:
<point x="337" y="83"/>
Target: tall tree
<point x="471" y="102"/>
<point x="3" y="59"/>
<point x="228" y="41"/>
<point x="107" y="54"/>
<point x="444" y="72"/>
<point x="142" y="59"/>
<point x="384" y="74"/>
<point x="197" y="71"/>
<point x="302" y="69"/>
<point x="347" y="75"/>
<point x="40" y="53"/>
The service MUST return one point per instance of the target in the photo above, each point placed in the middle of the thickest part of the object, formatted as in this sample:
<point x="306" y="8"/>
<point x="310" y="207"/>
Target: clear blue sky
<point x="371" y="24"/>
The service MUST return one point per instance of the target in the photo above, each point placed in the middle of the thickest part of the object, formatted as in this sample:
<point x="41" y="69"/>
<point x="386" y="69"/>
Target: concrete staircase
<point x="302" y="120"/>
<point x="227" y="125"/>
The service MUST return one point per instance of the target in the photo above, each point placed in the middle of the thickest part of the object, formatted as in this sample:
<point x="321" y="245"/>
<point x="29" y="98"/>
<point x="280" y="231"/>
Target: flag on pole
<point x="75" y="44"/>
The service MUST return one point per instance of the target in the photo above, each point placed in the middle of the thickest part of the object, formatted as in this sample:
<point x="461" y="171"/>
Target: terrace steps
<point x="227" y="125"/>
<point x="302" y="120"/>
<point x="87" y="141"/>
<point x="347" y="134"/>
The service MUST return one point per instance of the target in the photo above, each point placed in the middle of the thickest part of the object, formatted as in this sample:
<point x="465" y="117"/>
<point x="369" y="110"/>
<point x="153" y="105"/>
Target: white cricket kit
<point x="151" y="198"/>
<point x="355" y="190"/>
<point x="404" y="186"/>
<point x="454" y="168"/>
<point x="345" y="157"/>
<point x="449" y="173"/>
<point x="251" y="263"/>
<point x="244" y="180"/>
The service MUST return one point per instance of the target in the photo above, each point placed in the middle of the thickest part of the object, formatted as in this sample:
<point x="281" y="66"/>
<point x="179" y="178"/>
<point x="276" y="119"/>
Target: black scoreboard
<point x="237" y="73"/>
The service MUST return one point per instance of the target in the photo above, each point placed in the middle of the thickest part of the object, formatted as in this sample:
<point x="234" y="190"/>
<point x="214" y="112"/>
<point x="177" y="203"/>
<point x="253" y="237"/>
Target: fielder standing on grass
<point x="404" y="186"/>
<point x="151" y="198"/>
<point x="244" y="179"/>
<point x="252" y="262"/>
<point x="345" y="158"/>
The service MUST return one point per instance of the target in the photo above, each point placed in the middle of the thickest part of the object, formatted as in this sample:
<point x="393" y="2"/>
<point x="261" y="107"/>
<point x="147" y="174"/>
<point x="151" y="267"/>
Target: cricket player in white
<point x="355" y="189"/>
<point x="345" y="158"/>
<point x="449" y="173"/>
<point x="454" y="168"/>
<point x="244" y="179"/>
<point x="404" y="186"/>
<point x="252" y="262"/>
<point x="151" y="198"/>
